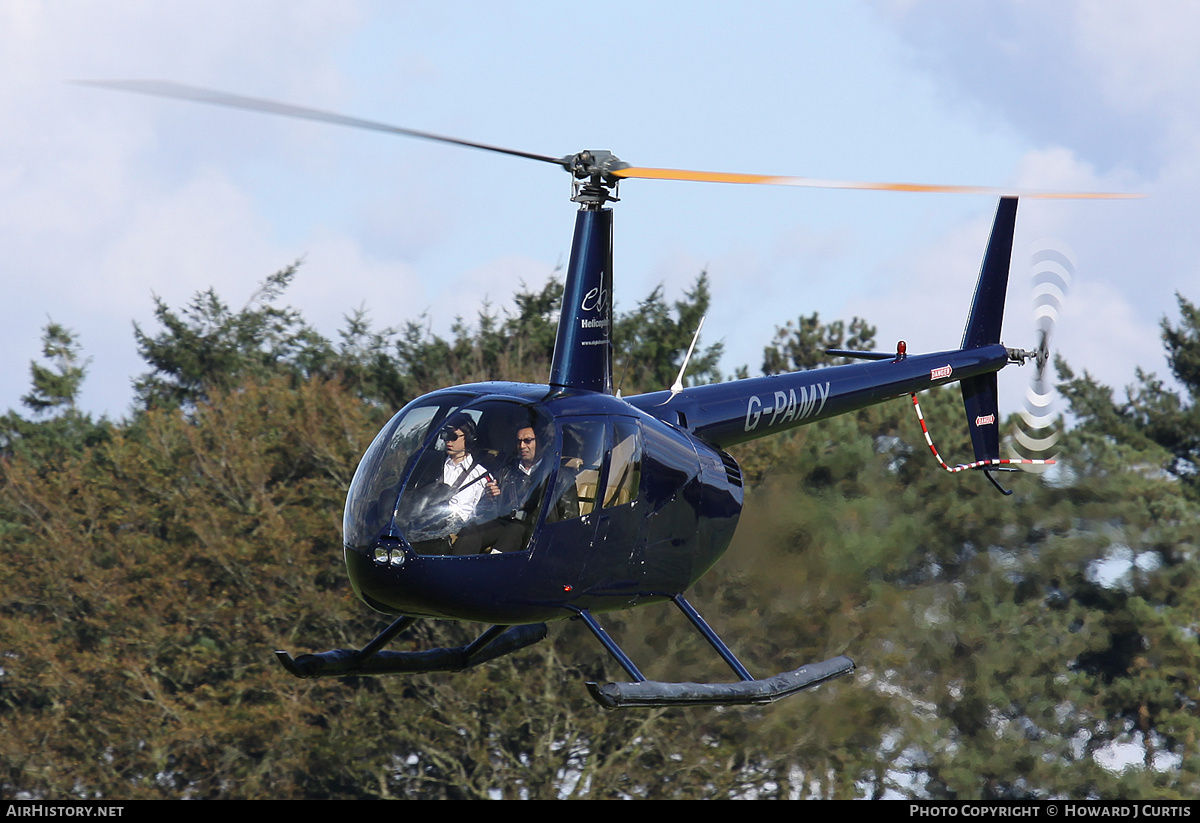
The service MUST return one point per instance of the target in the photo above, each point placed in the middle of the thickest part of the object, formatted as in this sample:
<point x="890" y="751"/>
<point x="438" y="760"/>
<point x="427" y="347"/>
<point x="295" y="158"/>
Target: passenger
<point x="516" y="495"/>
<point x="517" y="474"/>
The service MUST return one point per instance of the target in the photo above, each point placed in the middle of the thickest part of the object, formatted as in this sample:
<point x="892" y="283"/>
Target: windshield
<point x="478" y="485"/>
<point x="371" y="500"/>
<point x="454" y="477"/>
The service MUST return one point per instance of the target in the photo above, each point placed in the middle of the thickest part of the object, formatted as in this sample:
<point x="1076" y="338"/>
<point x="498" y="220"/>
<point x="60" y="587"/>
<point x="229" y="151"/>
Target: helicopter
<point x="517" y="504"/>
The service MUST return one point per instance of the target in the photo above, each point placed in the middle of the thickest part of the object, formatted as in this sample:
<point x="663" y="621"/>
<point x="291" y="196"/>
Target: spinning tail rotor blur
<point x="1038" y="429"/>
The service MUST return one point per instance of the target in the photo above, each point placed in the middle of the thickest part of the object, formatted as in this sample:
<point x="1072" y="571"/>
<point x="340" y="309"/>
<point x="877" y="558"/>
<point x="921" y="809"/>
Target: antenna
<point x="677" y="386"/>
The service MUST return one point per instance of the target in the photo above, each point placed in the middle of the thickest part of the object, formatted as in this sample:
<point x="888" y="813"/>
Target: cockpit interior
<point x="456" y="474"/>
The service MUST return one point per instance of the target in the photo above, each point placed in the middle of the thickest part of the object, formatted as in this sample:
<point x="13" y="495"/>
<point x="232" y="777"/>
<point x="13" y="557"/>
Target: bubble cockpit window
<point x="477" y="486"/>
<point x="371" y="500"/>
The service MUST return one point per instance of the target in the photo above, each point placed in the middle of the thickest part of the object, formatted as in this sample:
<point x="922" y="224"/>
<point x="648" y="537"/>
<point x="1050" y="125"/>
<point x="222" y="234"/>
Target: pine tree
<point x="58" y="427"/>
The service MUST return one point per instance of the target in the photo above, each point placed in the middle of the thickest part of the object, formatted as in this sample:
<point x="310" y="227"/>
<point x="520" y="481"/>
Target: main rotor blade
<point x="218" y="98"/>
<point x="179" y="91"/>
<point x="811" y="182"/>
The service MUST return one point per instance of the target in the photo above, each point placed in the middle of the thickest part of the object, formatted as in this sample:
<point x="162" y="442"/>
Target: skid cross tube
<point x="384" y="637"/>
<point x="712" y="638"/>
<point x="610" y="645"/>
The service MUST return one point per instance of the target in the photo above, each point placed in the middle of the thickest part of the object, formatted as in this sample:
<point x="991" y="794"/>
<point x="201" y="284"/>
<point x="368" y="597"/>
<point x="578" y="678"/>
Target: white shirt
<point x="462" y="502"/>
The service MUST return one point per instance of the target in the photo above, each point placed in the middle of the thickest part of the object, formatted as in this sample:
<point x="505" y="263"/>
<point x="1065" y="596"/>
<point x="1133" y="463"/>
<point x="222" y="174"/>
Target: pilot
<point x="464" y="476"/>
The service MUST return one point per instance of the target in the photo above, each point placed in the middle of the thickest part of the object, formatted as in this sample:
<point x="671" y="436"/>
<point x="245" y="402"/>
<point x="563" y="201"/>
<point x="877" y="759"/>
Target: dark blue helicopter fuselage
<point x="683" y="515"/>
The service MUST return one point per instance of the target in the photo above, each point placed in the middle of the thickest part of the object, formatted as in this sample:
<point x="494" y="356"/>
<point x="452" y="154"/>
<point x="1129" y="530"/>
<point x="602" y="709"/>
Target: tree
<point x="1152" y="413"/>
<point x="208" y="345"/>
<point x="59" y="427"/>
<point x="650" y="344"/>
<point x="56" y="388"/>
<point x="803" y="345"/>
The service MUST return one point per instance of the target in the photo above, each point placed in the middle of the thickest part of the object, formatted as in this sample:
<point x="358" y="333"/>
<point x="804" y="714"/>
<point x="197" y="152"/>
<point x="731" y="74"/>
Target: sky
<point x="110" y="199"/>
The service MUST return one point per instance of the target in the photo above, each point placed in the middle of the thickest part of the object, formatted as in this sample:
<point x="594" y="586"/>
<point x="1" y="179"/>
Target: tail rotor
<point x="1037" y="431"/>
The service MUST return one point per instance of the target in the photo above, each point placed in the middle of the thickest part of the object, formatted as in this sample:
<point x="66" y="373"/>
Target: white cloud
<point x="1145" y="59"/>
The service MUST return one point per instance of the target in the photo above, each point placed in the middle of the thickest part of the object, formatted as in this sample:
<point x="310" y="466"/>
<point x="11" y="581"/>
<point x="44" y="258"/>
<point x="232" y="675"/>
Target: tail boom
<point x="725" y="414"/>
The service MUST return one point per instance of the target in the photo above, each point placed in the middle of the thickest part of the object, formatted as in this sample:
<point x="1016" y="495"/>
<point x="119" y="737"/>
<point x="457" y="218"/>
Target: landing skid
<point x="644" y="693"/>
<point x="502" y="640"/>
<point x="370" y="660"/>
<point x="652" y="693"/>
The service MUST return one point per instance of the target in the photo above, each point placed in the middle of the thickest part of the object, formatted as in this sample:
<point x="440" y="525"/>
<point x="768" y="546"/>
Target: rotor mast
<point x="583" y="352"/>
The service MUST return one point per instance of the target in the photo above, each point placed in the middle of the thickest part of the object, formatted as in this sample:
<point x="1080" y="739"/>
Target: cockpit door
<point x="566" y="536"/>
<point x="593" y="514"/>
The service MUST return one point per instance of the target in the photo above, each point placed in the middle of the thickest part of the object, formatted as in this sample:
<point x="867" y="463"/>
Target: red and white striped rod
<point x="978" y="464"/>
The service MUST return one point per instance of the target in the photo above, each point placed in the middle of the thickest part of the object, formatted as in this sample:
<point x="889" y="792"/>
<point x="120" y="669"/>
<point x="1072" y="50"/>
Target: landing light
<point x="384" y="555"/>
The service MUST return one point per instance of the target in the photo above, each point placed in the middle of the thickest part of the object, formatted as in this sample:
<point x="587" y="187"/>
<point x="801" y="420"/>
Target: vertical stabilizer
<point x="987" y="309"/>
<point x="983" y="329"/>
<point x="983" y="415"/>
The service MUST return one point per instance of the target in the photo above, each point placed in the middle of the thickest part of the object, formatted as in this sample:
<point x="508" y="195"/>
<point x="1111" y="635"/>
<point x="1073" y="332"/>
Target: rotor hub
<point x="594" y="183"/>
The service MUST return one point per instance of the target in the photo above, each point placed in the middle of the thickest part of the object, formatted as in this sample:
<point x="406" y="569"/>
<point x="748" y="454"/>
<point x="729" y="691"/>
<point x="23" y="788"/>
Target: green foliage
<point x="1152" y="413"/>
<point x="516" y="346"/>
<point x="996" y="661"/>
<point x="650" y="344"/>
<point x="1042" y="645"/>
<point x="803" y="344"/>
<point x="59" y="428"/>
<point x="56" y="388"/>
<point x="209" y="346"/>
